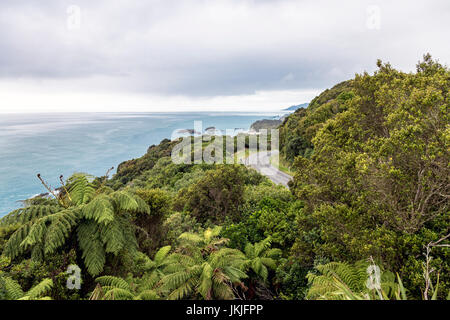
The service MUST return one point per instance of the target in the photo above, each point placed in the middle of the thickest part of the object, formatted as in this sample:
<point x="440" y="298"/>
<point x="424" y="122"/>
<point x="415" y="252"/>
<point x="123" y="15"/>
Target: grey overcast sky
<point x="170" y="55"/>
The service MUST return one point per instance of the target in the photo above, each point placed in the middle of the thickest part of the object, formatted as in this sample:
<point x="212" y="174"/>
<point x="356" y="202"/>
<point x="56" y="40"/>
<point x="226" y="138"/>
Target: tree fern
<point x="210" y="274"/>
<point x="209" y="240"/>
<point x="81" y="189"/>
<point x="340" y="280"/>
<point x="153" y="269"/>
<point x="98" y="219"/>
<point x="114" y="288"/>
<point x="260" y="257"/>
<point x="32" y="213"/>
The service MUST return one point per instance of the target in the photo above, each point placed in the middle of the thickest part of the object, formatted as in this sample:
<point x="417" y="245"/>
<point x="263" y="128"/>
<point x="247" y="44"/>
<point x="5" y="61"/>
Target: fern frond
<point x="183" y="291"/>
<point x="27" y="214"/>
<point x="60" y="229"/>
<point x="227" y="256"/>
<point x="36" y="233"/>
<point x="100" y="209"/>
<point x="91" y="246"/>
<point x="269" y="262"/>
<point x="40" y="289"/>
<point x="222" y="290"/>
<point x="151" y="281"/>
<point x="262" y="246"/>
<point x="161" y="254"/>
<point x="176" y="279"/>
<point x="81" y="189"/>
<point x="12" y="247"/>
<point x="118" y="294"/>
<point x="191" y="238"/>
<point x="274" y="253"/>
<point x="206" y="281"/>
<point x="130" y="203"/>
<point x="112" y="236"/>
<point x="234" y="274"/>
<point x="11" y="287"/>
<point x="210" y="234"/>
<point x="114" y="282"/>
<point x="147" y="295"/>
<point x="339" y="280"/>
<point x="249" y="250"/>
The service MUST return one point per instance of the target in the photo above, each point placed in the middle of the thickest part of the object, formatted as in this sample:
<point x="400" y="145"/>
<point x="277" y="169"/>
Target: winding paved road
<point x="261" y="162"/>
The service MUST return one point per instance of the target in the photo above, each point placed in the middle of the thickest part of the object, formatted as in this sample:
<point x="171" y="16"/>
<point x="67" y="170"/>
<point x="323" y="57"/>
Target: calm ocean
<point x="55" y="144"/>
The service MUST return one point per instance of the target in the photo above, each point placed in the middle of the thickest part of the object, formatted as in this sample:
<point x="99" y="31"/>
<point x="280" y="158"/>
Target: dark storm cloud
<point x="210" y="48"/>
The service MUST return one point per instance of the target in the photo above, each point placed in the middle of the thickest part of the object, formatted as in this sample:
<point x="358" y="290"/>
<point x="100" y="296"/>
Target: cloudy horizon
<point x="237" y="55"/>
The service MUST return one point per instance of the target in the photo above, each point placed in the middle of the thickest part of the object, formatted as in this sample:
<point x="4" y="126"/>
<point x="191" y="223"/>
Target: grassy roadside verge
<point x="283" y="165"/>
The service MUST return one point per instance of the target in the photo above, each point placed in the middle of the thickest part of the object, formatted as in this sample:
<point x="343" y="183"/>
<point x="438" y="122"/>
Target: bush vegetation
<point x="370" y="193"/>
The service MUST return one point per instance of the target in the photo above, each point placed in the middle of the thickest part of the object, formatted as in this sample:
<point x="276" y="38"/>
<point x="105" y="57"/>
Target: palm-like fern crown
<point x="340" y="280"/>
<point x="261" y="257"/>
<point x="81" y="190"/>
<point x="99" y="220"/>
<point x="206" y="270"/>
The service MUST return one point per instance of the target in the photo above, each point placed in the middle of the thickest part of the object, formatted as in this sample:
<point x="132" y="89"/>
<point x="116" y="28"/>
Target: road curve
<point x="261" y="162"/>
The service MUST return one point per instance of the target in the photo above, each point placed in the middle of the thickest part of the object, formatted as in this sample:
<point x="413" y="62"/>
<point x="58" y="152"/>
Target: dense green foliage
<point x="370" y="192"/>
<point x="299" y="129"/>
<point x="377" y="183"/>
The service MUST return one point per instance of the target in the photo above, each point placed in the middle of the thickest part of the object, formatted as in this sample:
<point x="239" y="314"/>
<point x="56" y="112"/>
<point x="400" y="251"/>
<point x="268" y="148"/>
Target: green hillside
<point x="370" y="193"/>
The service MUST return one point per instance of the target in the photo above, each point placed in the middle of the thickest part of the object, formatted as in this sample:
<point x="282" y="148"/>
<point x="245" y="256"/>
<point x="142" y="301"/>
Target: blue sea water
<point x="64" y="143"/>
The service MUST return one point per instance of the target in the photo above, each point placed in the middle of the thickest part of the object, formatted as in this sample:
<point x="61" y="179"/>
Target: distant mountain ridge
<point x="293" y="108"/>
